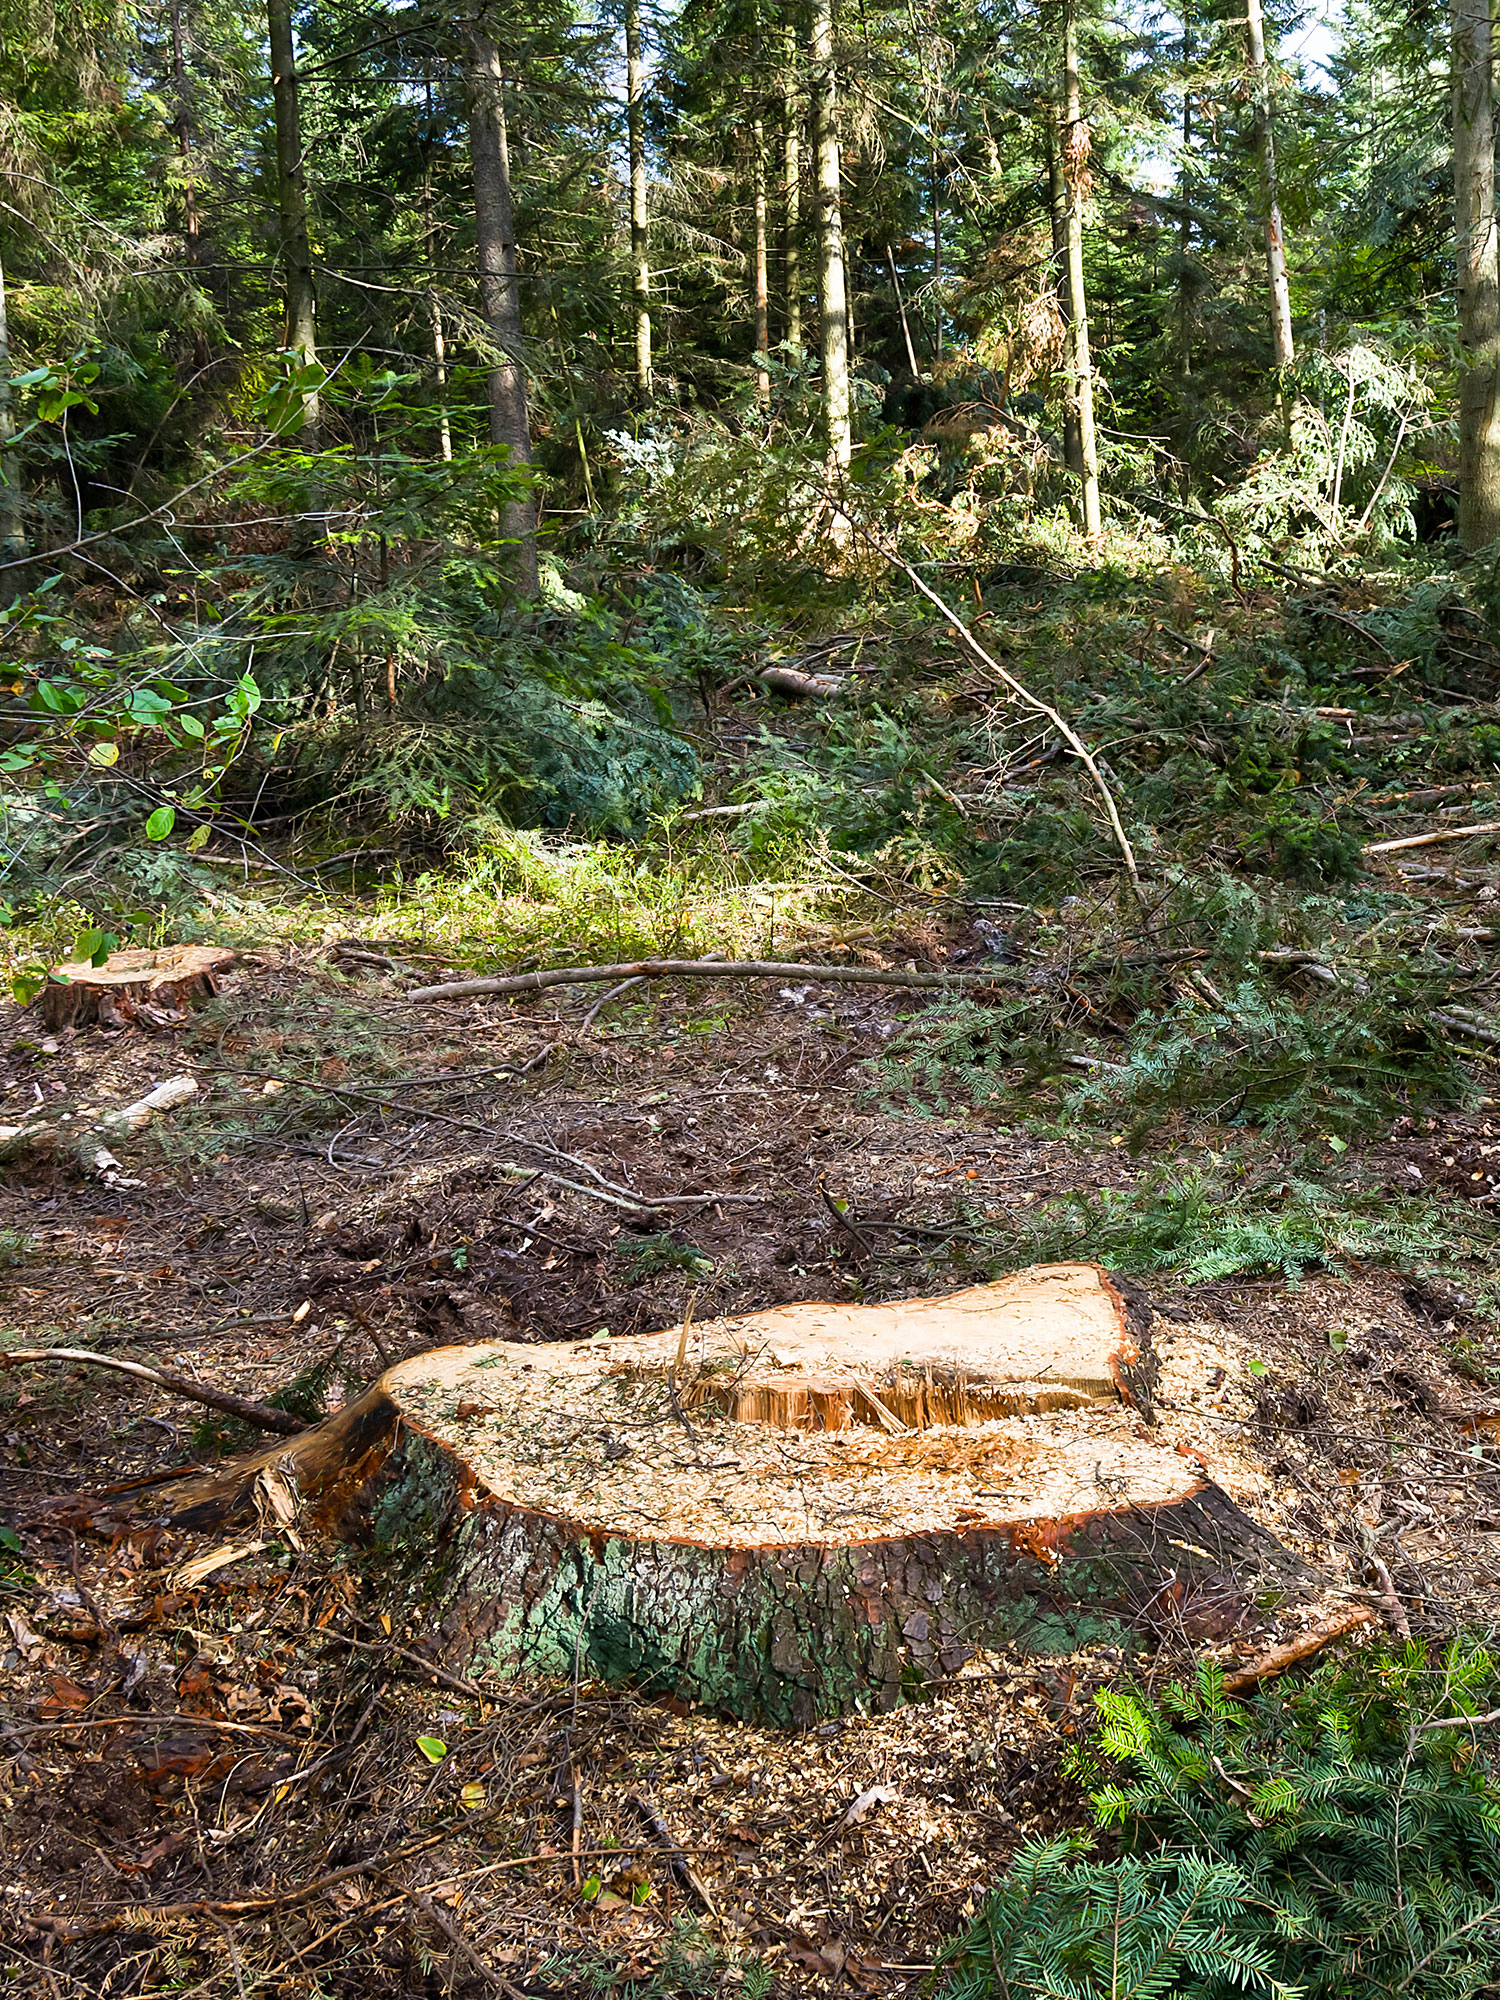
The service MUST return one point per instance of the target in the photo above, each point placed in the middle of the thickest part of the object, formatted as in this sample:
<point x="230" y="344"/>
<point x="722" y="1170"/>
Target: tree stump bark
<point x="798" y="1512"/>
<point x="151" y="989"/>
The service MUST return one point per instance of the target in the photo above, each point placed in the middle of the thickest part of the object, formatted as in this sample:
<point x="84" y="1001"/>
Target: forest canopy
<point x="407" y="417"/>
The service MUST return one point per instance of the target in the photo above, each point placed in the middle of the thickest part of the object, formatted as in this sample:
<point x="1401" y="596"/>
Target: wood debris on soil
<point x="272" y="1235"/>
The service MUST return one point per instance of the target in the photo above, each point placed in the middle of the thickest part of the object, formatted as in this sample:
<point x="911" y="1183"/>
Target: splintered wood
<point x="926" y="1414"/>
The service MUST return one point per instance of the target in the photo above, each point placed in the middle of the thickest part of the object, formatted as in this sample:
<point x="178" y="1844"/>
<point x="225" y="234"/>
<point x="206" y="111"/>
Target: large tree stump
<point x="152" y="989"/>
<point x="800" y="1511"/>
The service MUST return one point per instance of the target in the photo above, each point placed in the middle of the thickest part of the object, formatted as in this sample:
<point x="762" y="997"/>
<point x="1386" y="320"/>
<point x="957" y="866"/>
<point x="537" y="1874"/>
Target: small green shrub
<point x="648" y="1256"/>
<point x="1313" y="1845"/>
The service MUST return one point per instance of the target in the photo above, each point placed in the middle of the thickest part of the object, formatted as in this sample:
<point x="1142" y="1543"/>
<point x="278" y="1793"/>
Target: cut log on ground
<point x="790" y="1514"/>
<point x="150" y="989"/>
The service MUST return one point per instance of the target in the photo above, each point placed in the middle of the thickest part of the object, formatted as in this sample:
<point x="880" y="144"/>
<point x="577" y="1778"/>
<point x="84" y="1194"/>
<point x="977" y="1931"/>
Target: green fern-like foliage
<point x="1320" y="1845"/>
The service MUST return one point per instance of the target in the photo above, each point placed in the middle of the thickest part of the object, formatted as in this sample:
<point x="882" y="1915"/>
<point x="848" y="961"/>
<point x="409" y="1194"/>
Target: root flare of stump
<point x="779" y="1550"/>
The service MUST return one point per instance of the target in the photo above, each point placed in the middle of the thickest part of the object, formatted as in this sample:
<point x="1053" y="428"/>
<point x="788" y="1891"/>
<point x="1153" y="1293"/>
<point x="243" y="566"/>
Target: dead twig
<point x="677" y="1861"/>
<point x="1019" y="689"/>
<point x="1279" y="1658"/>
<point x="604" y="999"/>
<point x="1429" y="839"/>
<point x="260" y="1414"/>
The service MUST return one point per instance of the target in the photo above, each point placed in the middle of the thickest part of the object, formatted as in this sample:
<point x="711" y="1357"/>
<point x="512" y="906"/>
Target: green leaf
<point x="190" y="725"/>
<point x="161" y="822"/>
<point x="198" y="837"/>
<point x="1256" y="1367"/>
<point x="25" y="986"/>
<point x="433" y="1748"/>
<point x="591" y="1888"/>
<point x="94" y="946"/>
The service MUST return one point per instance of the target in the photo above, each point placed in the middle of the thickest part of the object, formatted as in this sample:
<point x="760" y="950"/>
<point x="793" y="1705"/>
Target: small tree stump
<point x="793" y="1513"/>
<point x="148" y="988"/>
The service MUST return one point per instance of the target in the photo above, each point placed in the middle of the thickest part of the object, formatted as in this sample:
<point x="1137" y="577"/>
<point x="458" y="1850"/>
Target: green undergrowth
<point x="1226" y="1220"/>
<point x="1311" y="1843"/>
<point x="691" y="1966"/>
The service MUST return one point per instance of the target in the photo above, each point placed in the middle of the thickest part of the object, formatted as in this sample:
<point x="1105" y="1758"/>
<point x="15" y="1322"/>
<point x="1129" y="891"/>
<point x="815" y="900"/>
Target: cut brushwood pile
<point x="793" y="1513"/>
<point x="149" y="989"/>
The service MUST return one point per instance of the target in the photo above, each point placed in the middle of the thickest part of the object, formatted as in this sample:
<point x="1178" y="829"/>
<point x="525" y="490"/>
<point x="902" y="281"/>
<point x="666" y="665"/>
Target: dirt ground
<point x="215" y="1777"/>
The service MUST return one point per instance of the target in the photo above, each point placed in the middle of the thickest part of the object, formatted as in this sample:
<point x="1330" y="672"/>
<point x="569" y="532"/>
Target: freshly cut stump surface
<point x="795" y="1512"/>
<point x="147" y="988"/>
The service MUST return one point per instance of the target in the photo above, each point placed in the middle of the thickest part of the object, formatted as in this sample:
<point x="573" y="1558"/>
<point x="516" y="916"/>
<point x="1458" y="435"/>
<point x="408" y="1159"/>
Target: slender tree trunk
<point x="1265" y="146"/>
<point x="911" y="355"/>
<point x="791" y="194"/>
<point x="640" y="263"/>
<point x="937" y="256"/>
<point x="12" y="533"/>
<point x="762" y="295"/>
<point x="1478" y="274"/>
<point x="291" y="191"/>
<point x="833" y="291"/>
<point x="1075" y="154"/>
<point x="499" y="282"/>
<point x="182" y="128"/>
<point x="440" y="357"/>
<point x="1185" y="227"/>
<point x="1057" y="205"/>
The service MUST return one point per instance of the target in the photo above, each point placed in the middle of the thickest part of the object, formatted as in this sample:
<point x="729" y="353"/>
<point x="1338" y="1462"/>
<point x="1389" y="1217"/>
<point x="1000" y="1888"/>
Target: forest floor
<point x="207" y="1733"/>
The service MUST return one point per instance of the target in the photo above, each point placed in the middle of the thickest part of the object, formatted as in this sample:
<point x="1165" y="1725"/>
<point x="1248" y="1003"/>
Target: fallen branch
<point x="260" y="1414"/>
<point x="676" y="1860"/>
<point x="1458" y="1022"/>
<point x="793" y="681"/>
<point x="1432" y="839"/>
<point x="1281" y="1657"/>
<point x="705" y="968"/>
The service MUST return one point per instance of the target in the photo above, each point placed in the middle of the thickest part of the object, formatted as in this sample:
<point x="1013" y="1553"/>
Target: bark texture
<point x="12" y="532"/>
<point x="1265" y="146"/>
<point x="499" y="281"/>
<point x="291" y="192"/>
<point x="833" y="290"/>
<point x="761" y="293"/>
<point x="1075" y="155"/>
<point x="1478" y="270"/>
<point x="791" y="228"/>
<point x="640" y="259"/>
<point x="791" y="1635"/>
<point x="1057" y="207"/>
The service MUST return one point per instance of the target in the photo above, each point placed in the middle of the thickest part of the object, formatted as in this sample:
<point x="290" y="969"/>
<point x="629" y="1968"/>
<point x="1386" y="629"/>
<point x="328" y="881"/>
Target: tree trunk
<point x="182" y="127"/>
<point x="499" y="283"/>
<point x="911" y="352"/>
<point x="440" y="360"/>
<point x="1478" y="268"/>
<point x="1265" y="146"/>
<point x="1075" y="156"/>
<point x="762" y="294"/>
<point x="291" y="191"/>
<point x="12" y="531"/>
<point x="833" y="294"/>
<point x="640" y="264"/>
<point x="791" y="227"/>
<point x="937" y="256"/>
<point x="1057" y="205"/>
<point x="1185" y="227"/>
